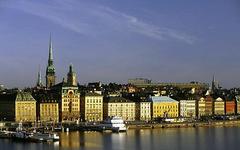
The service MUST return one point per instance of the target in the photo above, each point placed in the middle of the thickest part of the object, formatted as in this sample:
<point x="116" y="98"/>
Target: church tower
<point x="50" y="71"/>
<point x="71" y="77"/>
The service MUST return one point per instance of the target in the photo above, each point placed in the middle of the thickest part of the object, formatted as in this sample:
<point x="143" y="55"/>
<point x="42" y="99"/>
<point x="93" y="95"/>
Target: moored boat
<point x="116" y="124"/>
<point x="45" y="137"/>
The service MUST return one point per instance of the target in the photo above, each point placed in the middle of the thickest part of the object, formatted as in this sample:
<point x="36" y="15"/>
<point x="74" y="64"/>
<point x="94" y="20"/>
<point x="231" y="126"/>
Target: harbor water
<point x="213" y="138"/>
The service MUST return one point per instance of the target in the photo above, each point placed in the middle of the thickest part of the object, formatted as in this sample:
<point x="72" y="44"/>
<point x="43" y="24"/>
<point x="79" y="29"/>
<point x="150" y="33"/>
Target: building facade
<point x="230" y="107"/>
<point x="188" y="108"/>
<point x="47" y="106"/>
<point x="201" y="107"/>
<point x="92" y="107"/>
<point x="208" y="105"/>
<point x="219" y="107"/>
<point x="238" y="104"/>
<point x="25" y="107"/>
<point x="145" y="111"/>
<point x="164" y="107"/>
<point x="70" y="103"/>
<point x="69" y="106"/>
<point x="121" y="107"/>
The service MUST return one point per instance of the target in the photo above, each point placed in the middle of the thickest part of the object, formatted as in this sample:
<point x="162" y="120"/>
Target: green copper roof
<point x="24" y="96"/>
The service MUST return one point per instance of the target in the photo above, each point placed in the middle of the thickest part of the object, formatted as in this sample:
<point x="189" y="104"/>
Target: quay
<point x="225" y="123"/>
<point x="130" y="125"/>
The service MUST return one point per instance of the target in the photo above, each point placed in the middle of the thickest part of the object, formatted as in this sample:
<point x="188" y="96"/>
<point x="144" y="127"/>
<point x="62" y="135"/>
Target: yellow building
<point x="49" y="111"/>
<point x="163" y="106"/>
<point x="121" y="107"/>
<point x="70" y="103"/>
<point x="92" y="107"/>
<point x="25" y="107"/>
<point x="201" y="107"/>
<point x="219" y="107"/>
<point x="47" y="107"/>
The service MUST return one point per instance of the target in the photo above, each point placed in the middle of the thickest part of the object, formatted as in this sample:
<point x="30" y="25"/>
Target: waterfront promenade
<point x="133" y="125"/>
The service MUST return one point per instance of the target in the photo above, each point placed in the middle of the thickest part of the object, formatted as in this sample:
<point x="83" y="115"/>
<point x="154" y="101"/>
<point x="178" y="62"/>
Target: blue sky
<point x="114" y="40"/>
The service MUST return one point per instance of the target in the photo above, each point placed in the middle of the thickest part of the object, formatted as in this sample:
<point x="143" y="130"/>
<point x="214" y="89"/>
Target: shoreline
<point x="227" y="123"/>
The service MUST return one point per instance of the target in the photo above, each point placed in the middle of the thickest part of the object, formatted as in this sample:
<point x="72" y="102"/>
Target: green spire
<point x="50" y="66"/>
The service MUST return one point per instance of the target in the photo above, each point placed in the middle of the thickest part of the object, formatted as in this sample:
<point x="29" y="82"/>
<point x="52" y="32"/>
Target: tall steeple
<point x="213" y="88"/>
<point x="50" y="57"/>
<point x="39" y="80"/>
<point x="50" y="71"/>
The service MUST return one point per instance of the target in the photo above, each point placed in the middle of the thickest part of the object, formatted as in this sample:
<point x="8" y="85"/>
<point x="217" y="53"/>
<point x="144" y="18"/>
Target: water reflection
<point x="154" y="139"/>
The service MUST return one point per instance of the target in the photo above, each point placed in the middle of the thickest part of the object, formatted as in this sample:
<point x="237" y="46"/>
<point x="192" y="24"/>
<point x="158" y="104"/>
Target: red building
<point x="208" y="105"/>
<point x="230" y="106"/>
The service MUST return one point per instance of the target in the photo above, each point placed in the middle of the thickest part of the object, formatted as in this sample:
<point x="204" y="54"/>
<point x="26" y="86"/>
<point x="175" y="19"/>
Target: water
<point x="156" y="139"/>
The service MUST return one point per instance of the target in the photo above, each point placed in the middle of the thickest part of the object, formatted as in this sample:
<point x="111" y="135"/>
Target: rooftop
<point x="92" y="94"/>
<point x="162" y="99"/>
<point x="118" y="100"/>
<point x="24" y="96"/>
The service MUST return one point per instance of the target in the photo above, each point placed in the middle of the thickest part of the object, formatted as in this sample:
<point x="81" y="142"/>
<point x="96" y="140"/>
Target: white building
<point x="188" y="108"/>
<point x="145" y="111"/>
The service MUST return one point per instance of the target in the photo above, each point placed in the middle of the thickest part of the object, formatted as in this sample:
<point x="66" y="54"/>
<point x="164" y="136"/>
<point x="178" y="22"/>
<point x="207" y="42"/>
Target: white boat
<point x="116" y="124"/>
<point x="44" y="137"/>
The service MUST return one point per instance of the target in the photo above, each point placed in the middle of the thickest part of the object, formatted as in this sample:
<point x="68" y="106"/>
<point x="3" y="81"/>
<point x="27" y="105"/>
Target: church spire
<point x="50" y="71"/>
<point x="213" y="84"/>
<point x="50" y="58"/>
<point x="39" y="80"/>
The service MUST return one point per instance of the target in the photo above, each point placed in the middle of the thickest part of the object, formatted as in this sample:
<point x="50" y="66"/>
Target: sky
<point x="114" y="40"/>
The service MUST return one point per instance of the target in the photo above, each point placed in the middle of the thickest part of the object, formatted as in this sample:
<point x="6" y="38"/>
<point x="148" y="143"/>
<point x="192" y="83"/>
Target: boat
<point x="35" y="136"/>
<point x="115" y="123"/>
<point x="44" y="137"/>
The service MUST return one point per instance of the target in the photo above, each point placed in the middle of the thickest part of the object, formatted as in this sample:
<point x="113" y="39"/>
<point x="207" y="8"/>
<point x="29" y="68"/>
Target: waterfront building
<point x="143" y="110"/>
<point x="50" y="71"/>
<point x="201" y="107"/>
<point x="230" y="107"/>
<point x="164" y="106"/>
<point x="47" y="106"/>
<point x="91" y="107"/>
<point x="238" y="104"/>
<point x="219" y="106"/>
<point x="25" y="107"/>
<point x="121" y="107"/>
<point x="187" y="108"/>
<point x="69" y="106"/>
<point x="208" y="105"/>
